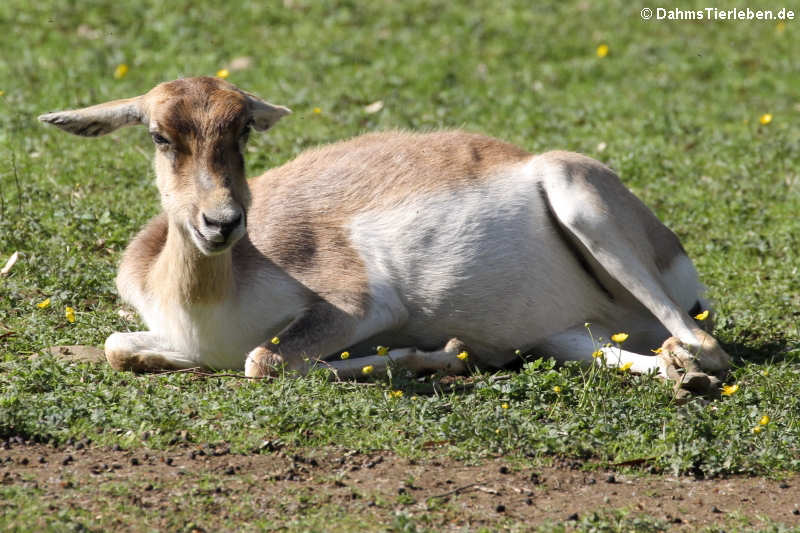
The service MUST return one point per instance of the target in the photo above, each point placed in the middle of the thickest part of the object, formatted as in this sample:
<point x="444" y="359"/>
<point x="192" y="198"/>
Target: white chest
<point x="221" y="335"/>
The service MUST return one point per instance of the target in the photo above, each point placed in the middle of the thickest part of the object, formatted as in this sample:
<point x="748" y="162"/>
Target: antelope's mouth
<point x="208" y="247"/>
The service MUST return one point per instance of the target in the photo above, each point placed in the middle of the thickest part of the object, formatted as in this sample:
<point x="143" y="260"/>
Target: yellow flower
<point x="223" y="73"/>
<point x="619" y="337"/>
<point x="44" y="304"/>
<point x="317" y="111"/>
<point x="396" y="394"/>
<point x="120" y="71"/>
<point x="657" y="351"/>
<point x="70" y="314"/>
<point x="765" y="119"/>
<point x="587" y="324"/>
<point x="702" y="316"/>
<point x="627" y="366"/>
<point x="729" y="390"/>
<point x="764" y="420"/>
<point x="382" y="350"/>
<point x="367" y="369"/>
<point x="344" y="355"/>
<point x="463" y="356"/>
<point x="504" y="406"/>
<point x="780" y="26"/>
<point x="2" y="93"/>
<point x="275" y="340"/>
<point x="765" y="372"/>
<point x="602" y="50"/>
<point x="557" y="389"/>
<point x="597" y="354"/>
<point x="757" y="429"/>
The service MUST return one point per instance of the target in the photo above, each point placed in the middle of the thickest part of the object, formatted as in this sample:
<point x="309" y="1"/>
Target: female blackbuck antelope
<point x="429" y="243"/>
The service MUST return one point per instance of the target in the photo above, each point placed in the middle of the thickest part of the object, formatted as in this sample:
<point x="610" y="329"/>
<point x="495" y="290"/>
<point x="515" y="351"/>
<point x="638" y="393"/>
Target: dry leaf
<point x="240" y="63"/>
<point x="79" y="354"/>
<point x="10" y="264"/>
<point x="87" y="32"/>
<point x="374" y="107"/>
<point x="125" y="314"/>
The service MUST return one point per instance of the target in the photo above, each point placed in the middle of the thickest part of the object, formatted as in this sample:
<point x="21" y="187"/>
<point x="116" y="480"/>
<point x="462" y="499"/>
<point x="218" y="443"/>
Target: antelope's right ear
<point x="98" y="119"/>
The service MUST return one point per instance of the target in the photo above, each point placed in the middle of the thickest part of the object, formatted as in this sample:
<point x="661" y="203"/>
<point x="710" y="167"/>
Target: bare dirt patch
<point x="205" y="487"/>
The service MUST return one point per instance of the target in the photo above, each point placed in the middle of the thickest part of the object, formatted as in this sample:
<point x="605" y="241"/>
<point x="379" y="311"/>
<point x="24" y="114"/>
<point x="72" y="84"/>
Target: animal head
<point x="199" y="128"/>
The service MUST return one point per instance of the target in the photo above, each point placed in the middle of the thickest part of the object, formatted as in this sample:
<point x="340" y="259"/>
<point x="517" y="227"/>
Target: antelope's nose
<point x="220" y="228"/>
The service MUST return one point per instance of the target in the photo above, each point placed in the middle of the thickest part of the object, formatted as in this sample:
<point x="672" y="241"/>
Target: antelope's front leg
<point x="416" y="361"/>
<point x="144" y="351"/>
<point x="321" y="330"/>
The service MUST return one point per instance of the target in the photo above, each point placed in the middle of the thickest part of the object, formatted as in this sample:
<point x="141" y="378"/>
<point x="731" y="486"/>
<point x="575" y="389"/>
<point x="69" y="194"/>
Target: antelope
<point x="433" y="243"/>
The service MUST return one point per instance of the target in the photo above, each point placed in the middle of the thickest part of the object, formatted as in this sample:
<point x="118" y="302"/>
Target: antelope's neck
<point x="182" y="274"/>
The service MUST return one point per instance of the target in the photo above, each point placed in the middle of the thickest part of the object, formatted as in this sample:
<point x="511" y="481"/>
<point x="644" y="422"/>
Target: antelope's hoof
<point x="696" y="382"/>
<point x="682" y="368"/>
<point x="456" y="346"/>
<point x="262" y="362"/>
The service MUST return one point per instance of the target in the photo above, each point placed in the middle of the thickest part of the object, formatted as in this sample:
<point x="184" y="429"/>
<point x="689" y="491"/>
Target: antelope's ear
<point x="98" y="119"/>
<point x="264" y="114"/>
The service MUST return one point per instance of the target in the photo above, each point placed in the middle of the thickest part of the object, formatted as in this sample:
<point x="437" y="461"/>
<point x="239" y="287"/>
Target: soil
<point x="380" y="484"/>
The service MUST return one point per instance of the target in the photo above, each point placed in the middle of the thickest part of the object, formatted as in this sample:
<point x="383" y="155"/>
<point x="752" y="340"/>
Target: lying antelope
<point x="425" y="242"/>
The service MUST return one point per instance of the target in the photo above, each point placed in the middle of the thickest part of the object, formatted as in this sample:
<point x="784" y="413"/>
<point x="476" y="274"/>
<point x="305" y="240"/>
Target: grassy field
<point x="700" y="119"/>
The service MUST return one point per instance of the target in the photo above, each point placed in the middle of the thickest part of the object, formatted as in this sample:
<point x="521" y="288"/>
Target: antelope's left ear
<point x="98" y="119"/>
<point x="264" y="114"/>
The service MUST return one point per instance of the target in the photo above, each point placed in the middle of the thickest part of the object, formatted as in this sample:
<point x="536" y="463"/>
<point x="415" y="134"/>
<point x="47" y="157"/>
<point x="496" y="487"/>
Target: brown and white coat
<point x="426" y="242"/>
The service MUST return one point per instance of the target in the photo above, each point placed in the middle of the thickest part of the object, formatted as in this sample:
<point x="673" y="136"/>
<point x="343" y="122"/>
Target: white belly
<point x="483" y="264"/>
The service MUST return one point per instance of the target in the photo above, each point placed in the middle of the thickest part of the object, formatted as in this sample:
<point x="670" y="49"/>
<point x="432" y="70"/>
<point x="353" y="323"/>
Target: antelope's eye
<point x="159" y="139"/>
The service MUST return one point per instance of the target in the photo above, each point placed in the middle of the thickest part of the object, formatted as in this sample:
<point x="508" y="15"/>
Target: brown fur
<point x="411" y="163"/>
<point x="181" y="273"/>
<point x="140" y="256"/>
<point x="307" y="204"/>
<point x="200" y="171"/>
<point x="204" y="121"/>
<point x="153" y="258"/>
<point x="309" y="200"/>
<point x="300" y="219"/>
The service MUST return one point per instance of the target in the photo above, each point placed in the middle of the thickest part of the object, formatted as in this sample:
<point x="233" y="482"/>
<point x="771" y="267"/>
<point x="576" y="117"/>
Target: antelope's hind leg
<point x="144" y="351"/>
<point x="576" y="345"/>
<point x="631" y="245"/>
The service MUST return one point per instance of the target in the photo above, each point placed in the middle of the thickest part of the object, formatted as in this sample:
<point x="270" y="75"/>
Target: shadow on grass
<point x="770" y="351"/>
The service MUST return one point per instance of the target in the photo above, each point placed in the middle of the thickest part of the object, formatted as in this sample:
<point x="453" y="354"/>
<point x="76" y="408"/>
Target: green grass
<point x="674" y="108"/>
<point x="604" y="416"/>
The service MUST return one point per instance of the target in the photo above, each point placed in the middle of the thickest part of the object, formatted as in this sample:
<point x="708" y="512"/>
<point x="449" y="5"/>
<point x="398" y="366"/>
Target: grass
<point x="614" y="419"/>
<point x="674" y="107"/>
